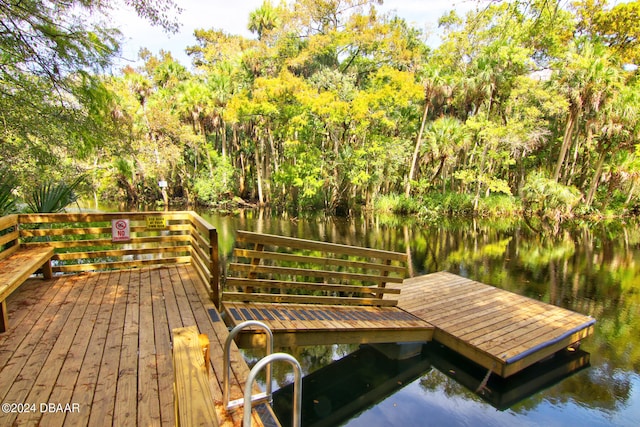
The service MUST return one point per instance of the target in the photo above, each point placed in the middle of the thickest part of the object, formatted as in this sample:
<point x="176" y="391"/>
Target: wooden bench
<point x="18" y="262"/>
<point x="270" y="268"/>
<point x="193" y="398"/>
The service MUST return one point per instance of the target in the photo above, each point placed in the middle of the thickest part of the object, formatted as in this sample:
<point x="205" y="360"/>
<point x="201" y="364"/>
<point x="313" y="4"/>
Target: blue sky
<point x="232" y="17"/>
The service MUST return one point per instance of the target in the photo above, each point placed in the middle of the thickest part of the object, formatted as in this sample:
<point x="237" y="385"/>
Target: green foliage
<point x="448" y="204"/>
<point x="335" y="106"/>
<point x="499" y="205"/>
<point x="544" y="196"/>
<point x="396" y="204"/>
<point x="7" y="197"/>
<point x="216" y="186"/>
<point x="53" y="197"/>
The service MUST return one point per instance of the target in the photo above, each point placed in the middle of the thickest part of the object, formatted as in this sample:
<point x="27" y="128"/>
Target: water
<point x="593" y="269"/>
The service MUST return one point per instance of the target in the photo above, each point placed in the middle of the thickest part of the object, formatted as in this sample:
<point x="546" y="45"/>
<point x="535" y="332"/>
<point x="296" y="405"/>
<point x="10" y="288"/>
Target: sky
<point x="232" y="16"/>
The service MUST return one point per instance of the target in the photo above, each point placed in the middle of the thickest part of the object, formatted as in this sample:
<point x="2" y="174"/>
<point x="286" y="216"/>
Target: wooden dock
<point x="97" y="346"/>
<point x="497" y="329"/>
<point x="305" y="324"/>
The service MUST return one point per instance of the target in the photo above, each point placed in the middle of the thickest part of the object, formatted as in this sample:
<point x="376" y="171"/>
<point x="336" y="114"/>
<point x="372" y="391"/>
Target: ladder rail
<point x="266" y="361"/>
<point x="227" y="364"/>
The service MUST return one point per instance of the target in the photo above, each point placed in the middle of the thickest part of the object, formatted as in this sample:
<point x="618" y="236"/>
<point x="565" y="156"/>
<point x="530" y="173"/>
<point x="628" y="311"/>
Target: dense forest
<point x="526" y="107"/>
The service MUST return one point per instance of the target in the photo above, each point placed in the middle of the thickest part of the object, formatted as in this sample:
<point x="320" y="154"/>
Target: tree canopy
<point x="524" y="105"/>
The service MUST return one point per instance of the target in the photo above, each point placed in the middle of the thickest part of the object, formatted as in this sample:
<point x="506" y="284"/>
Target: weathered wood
<point x="303" y="324"/>
<point x="98" y="266"/>
<point x="279" y="256"/>
<point x="83" y="242"/>
<point x="90" y="243"/>
<point x="308" y="272"/>
<point x="99" y="217"/>
<point x="283" y="269"/>
<point x="122" y="252"/>
<point x="9" y="237"/>
<point x="8" y="221"/>
<point x="323" y="287"/>
<point x="193" y="397"/>
<point x="72" y="230"/>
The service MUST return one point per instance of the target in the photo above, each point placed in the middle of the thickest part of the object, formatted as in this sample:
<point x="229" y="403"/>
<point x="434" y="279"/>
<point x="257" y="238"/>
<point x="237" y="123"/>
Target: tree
<point x="263" y="19"/>
<point x="51" y="94"/>
<point x="589" y="78"/>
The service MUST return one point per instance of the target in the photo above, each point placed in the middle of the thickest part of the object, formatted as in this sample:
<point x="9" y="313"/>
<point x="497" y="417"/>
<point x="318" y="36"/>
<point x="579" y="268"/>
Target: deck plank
<point x="64" y="385"/>
<point x="498" y="329"/>
<point x="19" y="374"/>
<point x="102" y="341"/>
<point x="44" y="383"/>
<point x="148" y="398"/>
<point x="126" y="408"/>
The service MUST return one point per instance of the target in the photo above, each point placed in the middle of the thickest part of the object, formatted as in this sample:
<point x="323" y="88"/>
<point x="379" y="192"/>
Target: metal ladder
<point x="264" y="363"/>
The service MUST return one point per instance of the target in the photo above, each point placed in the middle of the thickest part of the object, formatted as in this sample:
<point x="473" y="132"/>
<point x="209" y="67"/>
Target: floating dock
<point x="499" y="330"/>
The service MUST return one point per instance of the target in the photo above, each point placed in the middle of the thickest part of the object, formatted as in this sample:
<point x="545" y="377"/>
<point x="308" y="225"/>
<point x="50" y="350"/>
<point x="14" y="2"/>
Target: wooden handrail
<point x="270" y="268"/>
<point x="295" y="243"/>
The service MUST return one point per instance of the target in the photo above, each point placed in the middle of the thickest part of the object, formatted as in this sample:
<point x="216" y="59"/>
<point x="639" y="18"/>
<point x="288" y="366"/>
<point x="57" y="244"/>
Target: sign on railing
<point x="120" y="230"/>
<point x="156" y="222"/>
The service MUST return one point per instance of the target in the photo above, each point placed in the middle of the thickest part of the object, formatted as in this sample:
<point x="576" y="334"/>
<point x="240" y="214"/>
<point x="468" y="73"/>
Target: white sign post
<point x="120" y="230"/>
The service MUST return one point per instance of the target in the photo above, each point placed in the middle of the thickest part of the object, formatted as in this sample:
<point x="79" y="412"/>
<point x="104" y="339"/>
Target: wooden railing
<point x="9" y="235"/>
<point x="96" y="241"/>
<point x="269" y="268"/>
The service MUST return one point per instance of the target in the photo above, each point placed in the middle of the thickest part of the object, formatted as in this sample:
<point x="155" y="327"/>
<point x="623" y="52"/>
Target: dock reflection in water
<point x="341" y="390"/>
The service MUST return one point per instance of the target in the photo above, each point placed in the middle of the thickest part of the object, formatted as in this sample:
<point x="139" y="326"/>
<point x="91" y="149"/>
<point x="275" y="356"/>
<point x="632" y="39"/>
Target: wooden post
<point x="46" y="269"/>
<point x="215" y="267"/>
<point x="4" y="317"/>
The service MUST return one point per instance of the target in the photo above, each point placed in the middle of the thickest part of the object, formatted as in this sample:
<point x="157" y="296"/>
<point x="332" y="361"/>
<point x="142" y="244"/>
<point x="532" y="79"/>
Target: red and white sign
<point x="120" y="231"/>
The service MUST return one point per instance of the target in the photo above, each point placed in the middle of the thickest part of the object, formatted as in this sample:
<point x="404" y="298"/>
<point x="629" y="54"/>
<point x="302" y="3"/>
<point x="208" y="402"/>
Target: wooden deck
<point x="305" y="324"/>
<point x="97" y="346"/>
<point x="497" y="329"/>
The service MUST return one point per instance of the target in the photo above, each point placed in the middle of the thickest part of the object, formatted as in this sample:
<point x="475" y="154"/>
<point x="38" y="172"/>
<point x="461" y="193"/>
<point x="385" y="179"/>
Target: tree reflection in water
<point x="593" y="269"/>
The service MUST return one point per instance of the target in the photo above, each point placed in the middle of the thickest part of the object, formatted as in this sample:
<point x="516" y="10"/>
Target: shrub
<point x="53" y="197"/>
<point x="396" y="204"/>
<point x="546" y="198"/>
<point x="498" y="205"/>
<point x="211" y="190"/>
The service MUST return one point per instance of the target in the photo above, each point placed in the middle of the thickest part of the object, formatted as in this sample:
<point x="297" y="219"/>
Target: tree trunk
<point x="596" y="178"/>
<point x="416" y="152"/>
<point x="566" y="141"/>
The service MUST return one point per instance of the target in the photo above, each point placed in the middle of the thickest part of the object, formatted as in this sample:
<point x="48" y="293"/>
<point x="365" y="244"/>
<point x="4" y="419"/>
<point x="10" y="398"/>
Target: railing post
<point x="215" y="267"/>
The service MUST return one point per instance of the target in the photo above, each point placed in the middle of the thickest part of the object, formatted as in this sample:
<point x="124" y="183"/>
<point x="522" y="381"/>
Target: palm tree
<point x="589" y="79"/>
<point x="618" y="128"/>
<point x="437" y="88"/>
<point x="263" y="19"/>
<point x="445" y="137"/>
<point x="53" y="197"/>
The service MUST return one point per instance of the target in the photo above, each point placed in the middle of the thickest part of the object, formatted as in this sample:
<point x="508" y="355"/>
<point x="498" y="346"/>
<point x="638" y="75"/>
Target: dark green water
<point x="591" y="269"/>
